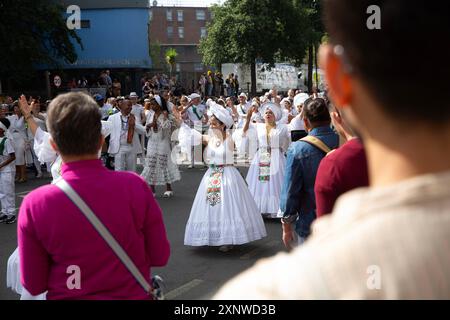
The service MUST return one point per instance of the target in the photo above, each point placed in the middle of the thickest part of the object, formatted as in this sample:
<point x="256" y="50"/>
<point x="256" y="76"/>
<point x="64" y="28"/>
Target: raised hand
<point x="24" y="106"/>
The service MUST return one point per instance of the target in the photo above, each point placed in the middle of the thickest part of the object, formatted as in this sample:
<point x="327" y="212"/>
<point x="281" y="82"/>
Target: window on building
<point x="85" y="24"/>
<point x="180" y="15"/>
<point x="198" y="67"/>
<point x="169" y="32"/>
<point x="211" y="13"/>
<point x="181" y="32"/>
<point x="202" y="32"/>
<point x="178" y="67"/>
<point x="169" y="14"/>
<point x="200" y="14"/>
<point x="150" y="15"/>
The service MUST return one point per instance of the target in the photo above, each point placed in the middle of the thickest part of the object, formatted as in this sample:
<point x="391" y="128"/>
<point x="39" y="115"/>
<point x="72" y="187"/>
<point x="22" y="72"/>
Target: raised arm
<point x="27" y="114"/>
<point x="249" y="118"/>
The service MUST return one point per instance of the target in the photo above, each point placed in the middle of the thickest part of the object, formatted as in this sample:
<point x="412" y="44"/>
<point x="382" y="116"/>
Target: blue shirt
<point x="297" y="201"/>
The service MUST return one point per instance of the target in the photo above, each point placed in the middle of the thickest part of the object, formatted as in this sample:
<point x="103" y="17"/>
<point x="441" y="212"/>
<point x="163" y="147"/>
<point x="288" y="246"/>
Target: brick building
<point x="180" y="28"/>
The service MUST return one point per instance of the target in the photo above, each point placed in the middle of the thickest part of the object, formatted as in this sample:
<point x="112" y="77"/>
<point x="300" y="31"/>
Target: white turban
<point x="274" y="108"/>
<point x="300" y="99"/>
<point x="222" y="114"/>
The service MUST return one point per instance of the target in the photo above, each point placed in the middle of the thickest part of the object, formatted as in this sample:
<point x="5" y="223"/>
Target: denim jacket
<point x="297" y="201"/>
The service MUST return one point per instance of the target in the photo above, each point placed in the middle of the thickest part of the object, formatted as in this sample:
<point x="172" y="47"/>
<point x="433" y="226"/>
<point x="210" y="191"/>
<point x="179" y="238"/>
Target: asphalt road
<point x="192" y="273"/>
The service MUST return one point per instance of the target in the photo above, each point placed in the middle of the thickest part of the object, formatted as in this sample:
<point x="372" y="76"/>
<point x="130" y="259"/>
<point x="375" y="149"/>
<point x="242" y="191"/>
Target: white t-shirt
<point x="137" y="111"/>
<point x="197" y="116"/>
<point x="7" y="150"/>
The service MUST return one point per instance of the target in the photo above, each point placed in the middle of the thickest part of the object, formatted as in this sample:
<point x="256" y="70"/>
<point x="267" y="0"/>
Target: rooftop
<point x="106" y="4"/>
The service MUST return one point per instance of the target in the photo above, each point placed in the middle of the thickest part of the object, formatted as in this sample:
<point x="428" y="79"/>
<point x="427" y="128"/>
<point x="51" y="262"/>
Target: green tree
<point x="244" y="31"/>
<point x="33" y="32"/>
<point x="171" y="55"/>
<point x="313" y="32"/>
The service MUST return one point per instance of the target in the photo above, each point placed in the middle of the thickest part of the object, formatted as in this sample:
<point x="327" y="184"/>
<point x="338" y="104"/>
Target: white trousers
<point x="125" y="159"/>
<point x="7" y="193"/>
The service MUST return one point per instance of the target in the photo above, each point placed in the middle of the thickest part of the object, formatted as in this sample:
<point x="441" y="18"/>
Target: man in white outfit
<point x="124" y="148"/>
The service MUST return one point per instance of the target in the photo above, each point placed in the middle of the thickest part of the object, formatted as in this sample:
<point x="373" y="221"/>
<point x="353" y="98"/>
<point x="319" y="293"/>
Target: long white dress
<point x="266" y="173"/>
<point x="223" y="212"/>
<point x="160" y="167"/>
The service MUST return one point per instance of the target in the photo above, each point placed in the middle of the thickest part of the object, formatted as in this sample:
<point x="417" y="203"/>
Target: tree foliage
<point x="33" y="32"/>
<point x="245" y="30"/>
<point x="265" y="30"/>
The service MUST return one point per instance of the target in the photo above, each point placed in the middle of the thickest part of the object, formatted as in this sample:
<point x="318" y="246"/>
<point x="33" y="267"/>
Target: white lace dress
<point x="223" y="212"/>
<point x="266" y="173"/>
<point x="160" y="165"/>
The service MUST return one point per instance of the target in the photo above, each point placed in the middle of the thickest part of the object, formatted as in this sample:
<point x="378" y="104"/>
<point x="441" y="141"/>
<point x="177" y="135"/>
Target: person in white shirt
<point x="124" y="143"/>
<point x="18" y="133"/>
<point x="40" y="119"/>
<point x="7" y="173"/>
<point x="195" y="115"/>
<point x="390" y="240"/>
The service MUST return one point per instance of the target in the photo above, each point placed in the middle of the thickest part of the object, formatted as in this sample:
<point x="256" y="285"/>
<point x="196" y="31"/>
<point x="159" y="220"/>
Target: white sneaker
<point x="168" y="194"/>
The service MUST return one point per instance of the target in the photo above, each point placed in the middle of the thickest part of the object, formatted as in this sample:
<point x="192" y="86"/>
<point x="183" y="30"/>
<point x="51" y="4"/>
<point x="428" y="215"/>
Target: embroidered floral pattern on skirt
<point x="213" y="185"/>
<point x="264" y="165"/>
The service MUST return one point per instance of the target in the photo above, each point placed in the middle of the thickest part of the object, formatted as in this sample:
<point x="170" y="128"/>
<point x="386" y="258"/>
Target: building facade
<point x="180" y="28"/>
<point x="115" y="37"/>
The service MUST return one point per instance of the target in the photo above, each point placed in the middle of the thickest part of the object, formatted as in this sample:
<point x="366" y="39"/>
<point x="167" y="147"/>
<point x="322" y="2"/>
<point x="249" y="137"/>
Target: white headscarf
<point x="222" y="114"/>
<point x="274" y="108"/>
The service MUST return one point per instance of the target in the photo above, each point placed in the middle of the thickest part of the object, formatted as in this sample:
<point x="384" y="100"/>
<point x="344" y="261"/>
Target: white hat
<point x="222" y="114"/>
<point x="283" y="102"/>
<point x="134" y="95"/>
<point x="275" y="109"/>
<point x="300" y="99"/>
<point x="209" y="102"/>
<point x="194" y="96"/>
<point x="243" y="95"/>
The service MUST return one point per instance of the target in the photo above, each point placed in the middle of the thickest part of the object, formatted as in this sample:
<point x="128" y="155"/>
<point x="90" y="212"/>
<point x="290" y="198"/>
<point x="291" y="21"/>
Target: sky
<point x="187" y="3"/>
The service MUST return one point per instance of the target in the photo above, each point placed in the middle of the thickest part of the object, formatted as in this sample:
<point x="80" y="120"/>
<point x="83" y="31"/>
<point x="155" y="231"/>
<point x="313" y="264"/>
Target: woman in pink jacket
<point x="60" y="251"/>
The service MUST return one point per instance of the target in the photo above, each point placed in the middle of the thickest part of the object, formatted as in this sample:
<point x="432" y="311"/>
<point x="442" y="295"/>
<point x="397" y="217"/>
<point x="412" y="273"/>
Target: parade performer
<point x="159" y="167"/>
<point x="7" y="172"/>
<point x="224" y="212"/>
<point x="124" y="144"/>
<point x="265" y="176"/>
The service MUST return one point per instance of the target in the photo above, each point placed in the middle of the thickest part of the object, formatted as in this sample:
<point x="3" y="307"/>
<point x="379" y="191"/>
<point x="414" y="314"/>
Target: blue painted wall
<point x="117" y="38"/>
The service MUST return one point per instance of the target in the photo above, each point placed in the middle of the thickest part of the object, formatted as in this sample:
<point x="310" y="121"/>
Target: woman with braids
<point x="159" y="167"/>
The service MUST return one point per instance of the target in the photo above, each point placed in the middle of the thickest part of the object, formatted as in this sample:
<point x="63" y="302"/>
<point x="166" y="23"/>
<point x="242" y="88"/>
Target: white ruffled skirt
<point x="13" y="279"/>
<point x="234" y="220"/>
<point x="267" y="193"/>
<point x="159" y="167"/>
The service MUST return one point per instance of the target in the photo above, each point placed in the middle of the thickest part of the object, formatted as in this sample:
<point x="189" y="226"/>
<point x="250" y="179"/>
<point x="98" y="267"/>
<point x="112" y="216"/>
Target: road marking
<point x="183" y="289"/>
<point x="256" y="251"/>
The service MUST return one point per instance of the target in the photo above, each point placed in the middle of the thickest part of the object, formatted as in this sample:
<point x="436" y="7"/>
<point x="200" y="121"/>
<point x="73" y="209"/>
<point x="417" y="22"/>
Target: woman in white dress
<point x="266" y="173"/>
<point x="160" y="168"/>
<point x="224" y="212"/>
<point x="18" y="132"/>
